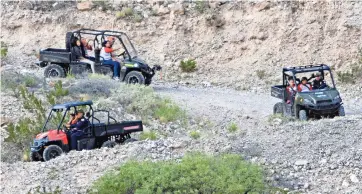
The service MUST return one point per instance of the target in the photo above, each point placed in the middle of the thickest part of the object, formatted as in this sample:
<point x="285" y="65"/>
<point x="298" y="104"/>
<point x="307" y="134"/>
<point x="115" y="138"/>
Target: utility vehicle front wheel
<point x="54" y="70"/>
<point x="303" y="115"/>
<point x="135" y="77"/>
<point x="51" y="152"/>
<point x="109" y="144"/>
<point x="341" y="112"/>
<point x="278" y="108"/>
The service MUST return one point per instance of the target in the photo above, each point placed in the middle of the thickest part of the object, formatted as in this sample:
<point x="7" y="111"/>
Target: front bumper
<point x="324" y="108"/>
<point x="37" y="145"/>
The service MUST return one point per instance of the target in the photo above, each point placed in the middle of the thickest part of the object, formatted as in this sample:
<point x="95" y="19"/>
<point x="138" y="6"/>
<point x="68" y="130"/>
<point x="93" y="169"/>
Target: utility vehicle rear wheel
<point x="54" y="70"/>
<point x="135" y="77"/>
<point x="109" y="144"/>
<point x="341" y="112"/>
<point x="130" y="140"/>
<point x="51" y="152"/>
<point x="303" y="115"/>
<point x="278" y="108"/>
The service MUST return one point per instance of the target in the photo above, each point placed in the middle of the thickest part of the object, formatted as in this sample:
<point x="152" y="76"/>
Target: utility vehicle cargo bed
<point x="55" y="55"/>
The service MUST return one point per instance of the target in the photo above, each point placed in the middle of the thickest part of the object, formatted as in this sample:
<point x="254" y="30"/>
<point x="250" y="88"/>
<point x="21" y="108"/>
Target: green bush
<point x="232" y="127"/>
<point x="125" y="12"/>
<point x="196" y="173"/>
<point x="355" y="74"/>
<point x="188" y="65"/>
<point x="201" y="6"/>
<point x="137" y="17"/>
<point x="195" y="134"/>
<point x="30" y="81"/>
<point x="4" y="50"/>
<point x="168" y="111"/>
<point x="11" y="81"/>
<point x="151" y="135"/>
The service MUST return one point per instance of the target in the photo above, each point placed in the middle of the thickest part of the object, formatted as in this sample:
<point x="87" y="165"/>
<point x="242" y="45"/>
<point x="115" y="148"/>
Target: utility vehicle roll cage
<point x="305" y="69"/>
<point x="67" y="106"/>
<point x="102" y="34"/>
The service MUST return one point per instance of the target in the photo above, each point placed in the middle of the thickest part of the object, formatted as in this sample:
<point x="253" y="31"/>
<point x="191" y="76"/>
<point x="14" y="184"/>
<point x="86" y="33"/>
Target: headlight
<point x="337" y="97"/>
<point x="307" y="101"/>
<point x="136" y="65"/>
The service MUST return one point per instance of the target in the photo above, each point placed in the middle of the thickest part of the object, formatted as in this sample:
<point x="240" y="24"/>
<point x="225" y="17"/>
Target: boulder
<point x="85" y="6"/>
<point x="177" y="8"/>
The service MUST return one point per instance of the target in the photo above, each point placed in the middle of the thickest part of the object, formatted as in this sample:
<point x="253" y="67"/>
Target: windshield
<point x="317" y="80"/>
<point x="129" y="46"/>
<point x="54" y="119"/>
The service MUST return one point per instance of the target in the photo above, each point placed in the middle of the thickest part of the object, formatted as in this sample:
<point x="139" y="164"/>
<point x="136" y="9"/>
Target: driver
<point x="106" y="53"/>
<point x="318" y="81"/>
<point x="77" y="129"/>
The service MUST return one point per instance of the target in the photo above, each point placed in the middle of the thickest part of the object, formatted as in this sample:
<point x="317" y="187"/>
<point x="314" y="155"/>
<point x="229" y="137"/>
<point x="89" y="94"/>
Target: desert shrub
<point x="352" y="76"/>
<point x="201" y="6"/>
<point x="195" y="134"/>
<point x="137" y="17"/>
<point x="125" y="12"/>
<point x="233" y="127"/>
<point x="195" y="173"/>
<point x="355" y="74"/>
<point x="168" y="111"/>
<point x="261" y="74"/>
<point x="143" y="101"/>
<point x="10" y="82"/>
<point x="94" y="87"/>
<point x="30" y="81"/>
<point x="151" y="135"/>
<point x="4" y="50"/>
<point x="188" y="65"/>
<point x="43" y="190"/>
<point x="98" y="76"/>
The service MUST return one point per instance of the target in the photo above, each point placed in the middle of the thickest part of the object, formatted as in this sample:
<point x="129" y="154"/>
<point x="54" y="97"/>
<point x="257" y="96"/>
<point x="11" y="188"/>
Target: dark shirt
<point x="77" y="53"/>
<point x="80" y="125"/>
<point x="317" y="84"/>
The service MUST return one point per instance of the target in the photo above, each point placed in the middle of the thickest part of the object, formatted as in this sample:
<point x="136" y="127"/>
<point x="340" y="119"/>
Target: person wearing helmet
<point x="304" y="86"/>
<point x="318" y="82"/>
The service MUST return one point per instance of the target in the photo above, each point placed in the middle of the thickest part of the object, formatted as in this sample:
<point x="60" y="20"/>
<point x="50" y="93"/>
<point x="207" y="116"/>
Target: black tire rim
<point x="53" y="73"/>
<point x="133" y="80"/>
<point x="53" y="154"/>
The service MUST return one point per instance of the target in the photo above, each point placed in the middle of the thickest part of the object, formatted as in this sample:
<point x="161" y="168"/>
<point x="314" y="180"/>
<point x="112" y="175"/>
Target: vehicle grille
<point x="35" y="143"/>
<point x="324" y="101"/>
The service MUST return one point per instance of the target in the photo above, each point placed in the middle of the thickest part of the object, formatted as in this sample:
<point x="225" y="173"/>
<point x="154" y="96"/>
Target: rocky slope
<point x="229" y="40"/>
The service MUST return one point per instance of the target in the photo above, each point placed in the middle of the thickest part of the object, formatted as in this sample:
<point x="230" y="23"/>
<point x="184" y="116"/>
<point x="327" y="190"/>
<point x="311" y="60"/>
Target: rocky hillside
<point x="237" y="45"/>
<point x="230" y="41"/>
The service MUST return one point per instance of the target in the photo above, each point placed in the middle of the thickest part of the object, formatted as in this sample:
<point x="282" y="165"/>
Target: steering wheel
<point x="123" y="53"/>
<point x="65" y="129"/>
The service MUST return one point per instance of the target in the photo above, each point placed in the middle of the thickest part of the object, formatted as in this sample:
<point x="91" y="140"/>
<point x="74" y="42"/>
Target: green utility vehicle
<point x="321" y="100"/>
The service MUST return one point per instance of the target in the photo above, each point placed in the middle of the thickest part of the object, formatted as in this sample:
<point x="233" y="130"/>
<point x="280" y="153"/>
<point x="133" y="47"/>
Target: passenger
<point x="72" y="119"/>
<point x="304" y="86"/>
<point x="77" y="55"/>
<point x="77" y="129"/>
<point x="87" y="48"/>
<point x="318" y="82"/>
<point x="291" y="90"/>
<point x="106" y="54"/>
